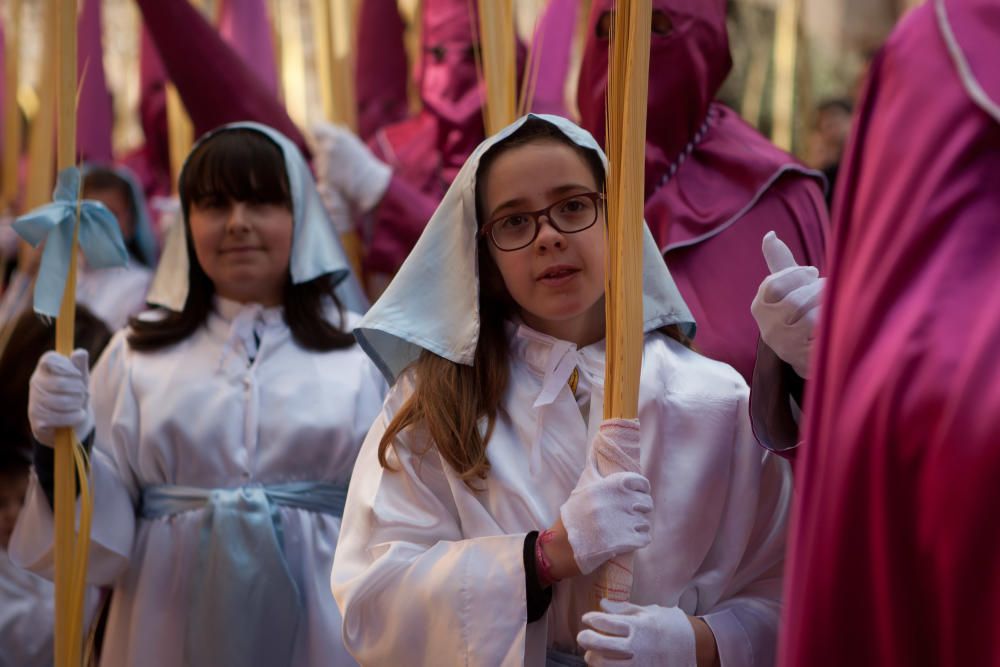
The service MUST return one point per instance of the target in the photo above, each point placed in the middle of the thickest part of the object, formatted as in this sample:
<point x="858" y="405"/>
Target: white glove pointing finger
<point x="787" y="305"/>
<point x="623" y="633"/>
<point x="58" y="396"/>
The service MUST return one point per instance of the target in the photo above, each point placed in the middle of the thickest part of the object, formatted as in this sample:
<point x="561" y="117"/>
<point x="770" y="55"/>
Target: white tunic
<point x="199" y="414"/>
<point x="430" y="572"/>
<point x="27" y="611"/>
<point x="114" y="295"/>
<point x="27" y="615"/>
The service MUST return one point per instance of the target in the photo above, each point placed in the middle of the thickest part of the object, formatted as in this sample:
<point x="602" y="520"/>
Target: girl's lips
<point x="558" y="275"/>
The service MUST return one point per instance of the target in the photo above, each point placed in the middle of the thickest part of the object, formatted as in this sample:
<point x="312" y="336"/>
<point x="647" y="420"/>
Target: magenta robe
<point x="214" y="82"/>
<point x="714" y="185"/>
<point x="894" y="549"/>
<point x="427" y="150"/>
<point x="381" y="69"/>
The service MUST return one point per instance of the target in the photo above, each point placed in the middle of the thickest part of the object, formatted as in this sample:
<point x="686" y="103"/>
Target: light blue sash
<point x="245" y="606"/>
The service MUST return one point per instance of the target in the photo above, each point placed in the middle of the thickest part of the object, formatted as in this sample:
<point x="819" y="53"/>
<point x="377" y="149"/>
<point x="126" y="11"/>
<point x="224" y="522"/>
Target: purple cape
<point x="217" y="87"/>
<point x="894" y="545"/>
<point x="714" y="185"/>
<point x="381" y="69"/>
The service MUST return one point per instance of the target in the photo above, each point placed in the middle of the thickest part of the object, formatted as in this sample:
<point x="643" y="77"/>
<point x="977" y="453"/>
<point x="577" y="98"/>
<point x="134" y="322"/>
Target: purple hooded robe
<point x="894" y="548"/>
<point x="714" y="185"/>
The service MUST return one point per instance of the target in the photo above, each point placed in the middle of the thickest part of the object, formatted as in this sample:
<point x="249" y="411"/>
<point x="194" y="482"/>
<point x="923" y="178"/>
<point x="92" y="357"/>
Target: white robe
<point x="430" y="572"/>
<point x="197" y="414"/>
<point x="115" y="294"/>
<point x="27" y="616"/>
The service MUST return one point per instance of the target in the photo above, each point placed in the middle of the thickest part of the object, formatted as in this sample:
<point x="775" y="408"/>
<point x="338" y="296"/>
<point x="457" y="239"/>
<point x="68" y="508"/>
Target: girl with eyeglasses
<point x="475" y="526"/>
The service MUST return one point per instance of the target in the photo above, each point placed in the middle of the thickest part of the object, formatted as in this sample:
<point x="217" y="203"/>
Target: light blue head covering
<point x="316" y="249"/>
<point x="143" y="238"/>
<point x="433" y="302"/>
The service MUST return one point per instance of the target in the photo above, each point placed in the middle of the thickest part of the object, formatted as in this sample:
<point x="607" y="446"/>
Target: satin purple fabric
<point x="894" y="546"/>
<point x="381" y="69"/>
<point x="214" y="82"/>
<point x="427" y="150"/>
<point x="714" y="185"/>
<point x="246" y="26"/>
<point x="94" y="112"/>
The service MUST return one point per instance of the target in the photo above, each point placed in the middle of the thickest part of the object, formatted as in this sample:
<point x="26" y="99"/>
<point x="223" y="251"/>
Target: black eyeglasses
<point x="568" y="216"/>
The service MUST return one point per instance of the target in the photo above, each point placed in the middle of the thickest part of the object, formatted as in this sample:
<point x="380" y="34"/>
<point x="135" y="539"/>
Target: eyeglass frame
<point x="596" y="197"/>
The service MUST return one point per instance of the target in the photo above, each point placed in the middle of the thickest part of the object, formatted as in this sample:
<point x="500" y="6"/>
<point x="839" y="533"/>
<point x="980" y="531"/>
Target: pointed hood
<point x="381" y="68"/>
<point x="94" y="113"/>
<point x="705" y="166"/>
<point x="217" y="87"/>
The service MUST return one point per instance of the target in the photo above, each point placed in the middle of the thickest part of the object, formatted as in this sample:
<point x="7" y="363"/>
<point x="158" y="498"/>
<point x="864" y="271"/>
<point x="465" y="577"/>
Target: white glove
<point x="336" y="207"/>
<point x="627" y="634"/>
<point x="344" y="162"/>
<point x="58" y="396"/>
<point x="787" y="305"/>
<point x="606" y="516"/>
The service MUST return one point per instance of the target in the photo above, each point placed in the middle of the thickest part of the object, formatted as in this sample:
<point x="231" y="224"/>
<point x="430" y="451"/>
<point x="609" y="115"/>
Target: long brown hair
<point x="449" y="400"/>
<point x="241" y="165"/>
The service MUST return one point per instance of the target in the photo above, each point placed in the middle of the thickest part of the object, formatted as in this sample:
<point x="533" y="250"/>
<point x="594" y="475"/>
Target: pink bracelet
<point x="542" y="565"/>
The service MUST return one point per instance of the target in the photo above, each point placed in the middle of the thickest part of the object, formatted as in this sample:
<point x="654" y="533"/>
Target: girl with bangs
<point x="224" y="426"/>
<point x="476" y="520"/>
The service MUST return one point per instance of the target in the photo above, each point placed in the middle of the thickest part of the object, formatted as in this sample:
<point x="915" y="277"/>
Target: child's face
<point x="13" y="485"/>
<point x="558" y="279"/>
<point x="243" y="247"/>
<point x="117" y="203"/>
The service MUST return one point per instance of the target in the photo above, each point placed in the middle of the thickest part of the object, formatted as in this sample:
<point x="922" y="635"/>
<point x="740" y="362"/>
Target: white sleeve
<point x="115" y="494"/>
<point x="745" y="618"/>
<point x="411" y="589"/>
<point x="371" y="396"/>
<point x="26" y="617"/>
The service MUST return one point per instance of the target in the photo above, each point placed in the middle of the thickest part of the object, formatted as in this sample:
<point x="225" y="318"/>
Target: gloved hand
<point x="606" y="516"/>
<point x="787" y="305"/>
<point x="58" y="396"/>
<point x="627" y="634"/>
<point x="344" y="162"/>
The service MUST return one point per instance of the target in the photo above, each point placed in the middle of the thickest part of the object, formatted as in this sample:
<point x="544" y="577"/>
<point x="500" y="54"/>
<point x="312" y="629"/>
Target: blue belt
<point x="245" y="606"/>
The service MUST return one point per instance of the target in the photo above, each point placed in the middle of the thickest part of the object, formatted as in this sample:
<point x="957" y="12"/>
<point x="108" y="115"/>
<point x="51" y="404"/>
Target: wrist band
<point x="542" y="564"/>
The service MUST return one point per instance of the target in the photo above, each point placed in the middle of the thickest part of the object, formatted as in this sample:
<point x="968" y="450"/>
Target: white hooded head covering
<point x="433" y="302"/>
<point x="143" y="239"/>
<point x="316" y="249"/>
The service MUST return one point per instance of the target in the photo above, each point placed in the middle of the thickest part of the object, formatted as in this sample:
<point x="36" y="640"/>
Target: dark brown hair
<point x="241" y="165"/>
<point x="450" y="399"/>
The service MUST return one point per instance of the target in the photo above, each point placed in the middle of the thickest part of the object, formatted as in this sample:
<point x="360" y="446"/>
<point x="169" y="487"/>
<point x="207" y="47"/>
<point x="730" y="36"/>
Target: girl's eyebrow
<point x="519" y="202"/>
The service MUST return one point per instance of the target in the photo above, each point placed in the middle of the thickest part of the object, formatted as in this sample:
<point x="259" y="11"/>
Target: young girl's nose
<point x="548" y="236"/>
<point x="238" y="220"/>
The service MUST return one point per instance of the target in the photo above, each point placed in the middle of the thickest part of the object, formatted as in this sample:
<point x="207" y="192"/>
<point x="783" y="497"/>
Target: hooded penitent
<point x="893" y="555"/>
<point x="714" y="185"/>
<point x="427" y="150"/>
<point x="214" y="82"/>
<point x="245" y="25"/>
<point x="381" y="74"/>
<point x="94" y="113"/>
<point x="151" y="161"/>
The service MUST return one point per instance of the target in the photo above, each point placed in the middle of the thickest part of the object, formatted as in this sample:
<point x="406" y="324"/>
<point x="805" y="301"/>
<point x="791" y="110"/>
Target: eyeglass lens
<point x="568" y="216"/>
